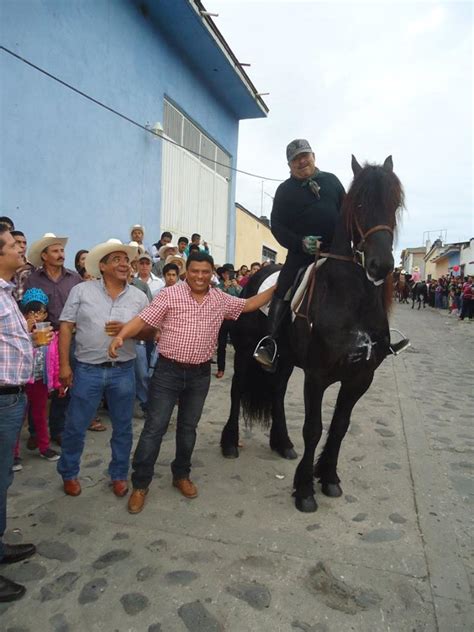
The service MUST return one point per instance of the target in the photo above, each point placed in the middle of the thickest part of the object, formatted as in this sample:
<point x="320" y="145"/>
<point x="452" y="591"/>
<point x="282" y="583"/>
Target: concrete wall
<point x="250" y="235"/>
<point x="467" y="259"/>
<point x="67" y="165"/>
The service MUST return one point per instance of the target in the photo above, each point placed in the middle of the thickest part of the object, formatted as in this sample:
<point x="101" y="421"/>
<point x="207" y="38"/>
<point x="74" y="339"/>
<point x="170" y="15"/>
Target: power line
<point x="128" y="119"/>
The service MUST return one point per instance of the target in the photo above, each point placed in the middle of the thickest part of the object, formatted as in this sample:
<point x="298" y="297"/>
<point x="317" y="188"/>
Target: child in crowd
<point x="45" y="377"/>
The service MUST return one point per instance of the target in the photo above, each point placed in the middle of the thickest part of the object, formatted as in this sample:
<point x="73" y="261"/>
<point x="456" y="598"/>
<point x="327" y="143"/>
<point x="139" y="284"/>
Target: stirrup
<point x="397" y="347"/>
<point x="265" y="359"/>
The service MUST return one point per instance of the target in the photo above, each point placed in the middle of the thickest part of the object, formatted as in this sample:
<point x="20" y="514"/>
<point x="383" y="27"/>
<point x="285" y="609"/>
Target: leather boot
<point x="266" y="351"/>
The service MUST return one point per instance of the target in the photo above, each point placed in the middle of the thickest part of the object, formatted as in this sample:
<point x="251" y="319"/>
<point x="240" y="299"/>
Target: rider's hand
<point x="310" y="244"/>
<point x="116" y="343"/>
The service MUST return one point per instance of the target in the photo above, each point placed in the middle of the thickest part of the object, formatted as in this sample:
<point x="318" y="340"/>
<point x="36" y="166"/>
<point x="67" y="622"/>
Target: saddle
<point x="296" y="294"/>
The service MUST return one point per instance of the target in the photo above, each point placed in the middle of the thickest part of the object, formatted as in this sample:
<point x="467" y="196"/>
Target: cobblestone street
<point x="393" y="554"/>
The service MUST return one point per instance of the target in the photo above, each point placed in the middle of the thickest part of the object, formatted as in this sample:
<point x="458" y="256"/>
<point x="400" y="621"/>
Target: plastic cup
<point x="42" y="333"/>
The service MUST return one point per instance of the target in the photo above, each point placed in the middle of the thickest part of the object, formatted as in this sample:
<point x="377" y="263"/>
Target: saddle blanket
<point x="298" y="293"/>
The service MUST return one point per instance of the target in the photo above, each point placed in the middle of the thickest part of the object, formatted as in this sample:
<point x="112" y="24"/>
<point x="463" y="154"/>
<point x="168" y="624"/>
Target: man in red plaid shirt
<point x="189" y="316"/>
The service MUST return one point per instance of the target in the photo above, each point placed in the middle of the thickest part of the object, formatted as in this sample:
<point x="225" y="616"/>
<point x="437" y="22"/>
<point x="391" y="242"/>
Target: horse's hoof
<point x="333" y="490"/>
<point x="230" y="452"/>
<point x="286" y="453"/>
<point x="289" y="453"/>
<point x="306" y="505"/>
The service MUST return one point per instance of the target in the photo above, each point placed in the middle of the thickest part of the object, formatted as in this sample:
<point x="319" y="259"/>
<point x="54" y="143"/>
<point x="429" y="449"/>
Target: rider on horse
<point x="305" y="211"/>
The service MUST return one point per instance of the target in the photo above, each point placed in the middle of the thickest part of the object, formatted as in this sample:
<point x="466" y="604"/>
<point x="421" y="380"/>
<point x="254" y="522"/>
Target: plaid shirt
<point x="190" y="329"/>
<point x="16" y="349"/>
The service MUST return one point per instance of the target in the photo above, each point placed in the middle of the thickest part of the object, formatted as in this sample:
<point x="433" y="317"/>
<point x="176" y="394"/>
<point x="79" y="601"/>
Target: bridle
<point x="358" y="252"/>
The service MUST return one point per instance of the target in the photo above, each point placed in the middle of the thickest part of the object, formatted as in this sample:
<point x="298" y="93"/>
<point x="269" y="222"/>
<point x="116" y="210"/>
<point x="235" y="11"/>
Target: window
<point x="180" y="129"/>
<point x="268" y="254"/>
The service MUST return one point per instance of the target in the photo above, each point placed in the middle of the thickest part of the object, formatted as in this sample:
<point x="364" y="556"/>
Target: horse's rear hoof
<point x="306" y="505"/>
<point x="333" y="490"/>
<point x="230" y="452"/>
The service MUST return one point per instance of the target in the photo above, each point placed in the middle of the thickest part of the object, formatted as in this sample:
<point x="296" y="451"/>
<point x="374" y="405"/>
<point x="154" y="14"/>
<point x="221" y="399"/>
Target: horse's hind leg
<point x="312" y="429"/>
<point x="326" y="467"/>
<point x="279" y="439"/>
<point x="230" y="433"/>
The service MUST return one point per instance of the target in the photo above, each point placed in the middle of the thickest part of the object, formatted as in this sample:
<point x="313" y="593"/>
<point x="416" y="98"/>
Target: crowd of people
<point x="133" y="328"/>
<point x="454" y="293"/>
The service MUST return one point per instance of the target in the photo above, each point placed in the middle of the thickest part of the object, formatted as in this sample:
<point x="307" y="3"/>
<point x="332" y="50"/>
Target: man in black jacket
<point x="305" y="211"/>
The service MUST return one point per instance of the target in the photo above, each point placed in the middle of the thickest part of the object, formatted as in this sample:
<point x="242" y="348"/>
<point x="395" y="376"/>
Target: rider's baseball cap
<point x="297" y="146"/>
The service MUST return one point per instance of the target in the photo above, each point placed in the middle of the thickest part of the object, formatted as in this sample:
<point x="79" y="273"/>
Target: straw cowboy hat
<point x="94" y="256"/>
<point x="416" y="269"/>
<point x="178" y="261"/>
<point x="37" y="247"/>
<point x="162" y="252"/>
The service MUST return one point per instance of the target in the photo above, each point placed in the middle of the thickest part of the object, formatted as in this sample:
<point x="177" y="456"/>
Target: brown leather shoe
<point x="186" y="487"/>
<point x="120" y="488"/>
<point x="72" y="487"/>
<point x="136" y="501"/>
<point x="31" y="443"/>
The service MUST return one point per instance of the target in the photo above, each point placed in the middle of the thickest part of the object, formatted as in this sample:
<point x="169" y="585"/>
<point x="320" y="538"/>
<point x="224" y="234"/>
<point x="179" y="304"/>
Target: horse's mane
<point x="375" y="197"/>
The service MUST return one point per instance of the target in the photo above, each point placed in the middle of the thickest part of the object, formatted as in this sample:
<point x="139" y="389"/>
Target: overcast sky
<point x="373" y="79"/>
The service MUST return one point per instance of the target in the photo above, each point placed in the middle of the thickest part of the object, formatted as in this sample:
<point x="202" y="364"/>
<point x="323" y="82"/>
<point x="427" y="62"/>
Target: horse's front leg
<point x="230" y="432"/>
<point x="279" y="439"/>
<point x="326" y="468"/>
<point x="312" y="429"/>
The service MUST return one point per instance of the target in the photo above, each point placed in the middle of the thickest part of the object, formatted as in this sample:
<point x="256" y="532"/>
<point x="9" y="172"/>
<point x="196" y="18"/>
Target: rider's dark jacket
<point x="297" y="212"/>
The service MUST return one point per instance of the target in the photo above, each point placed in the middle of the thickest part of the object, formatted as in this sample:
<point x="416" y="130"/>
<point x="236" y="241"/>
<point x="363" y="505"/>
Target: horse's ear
<point x="356" y="168"/>
<point x="388" y="164"/>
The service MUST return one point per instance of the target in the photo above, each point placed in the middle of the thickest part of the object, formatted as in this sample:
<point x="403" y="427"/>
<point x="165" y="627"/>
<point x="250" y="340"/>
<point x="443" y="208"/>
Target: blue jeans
<point x="141" y="374"/>
<point x="168" y="384"/>
<point x="12" y="413"/>
<point x="90" y="384"/>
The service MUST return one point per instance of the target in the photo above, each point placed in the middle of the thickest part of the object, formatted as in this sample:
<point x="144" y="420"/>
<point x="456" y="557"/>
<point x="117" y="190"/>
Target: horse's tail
<point x="256" y="386"/>
<point x="257" y="395"/>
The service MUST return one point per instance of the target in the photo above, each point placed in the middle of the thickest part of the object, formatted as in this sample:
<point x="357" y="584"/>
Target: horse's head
<point x="370" y="214"/>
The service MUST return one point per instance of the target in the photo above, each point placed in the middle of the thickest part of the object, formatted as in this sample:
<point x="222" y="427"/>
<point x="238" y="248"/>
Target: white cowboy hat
<point x="137" y="227"/>
<point x="37" y="247"/>
<point x="100" y="251"/>
<point x="163" y="249"/>
<point x="178" y="261"/>
<point x="135" y="244"/>
<point x="403" y="272"/>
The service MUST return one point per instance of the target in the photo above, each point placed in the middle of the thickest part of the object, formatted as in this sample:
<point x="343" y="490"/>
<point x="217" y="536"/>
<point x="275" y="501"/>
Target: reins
<point x="357" y="258"/>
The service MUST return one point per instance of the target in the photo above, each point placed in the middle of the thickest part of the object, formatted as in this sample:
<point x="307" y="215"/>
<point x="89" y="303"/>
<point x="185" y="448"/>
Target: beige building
<point x="412" y="258"/>
<point x="254" y="240"/>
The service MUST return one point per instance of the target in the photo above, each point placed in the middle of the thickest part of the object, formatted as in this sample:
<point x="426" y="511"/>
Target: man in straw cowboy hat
<point x="56" y="281"/>
<point x="97" y="310"/>
<point x="189" y="316"/>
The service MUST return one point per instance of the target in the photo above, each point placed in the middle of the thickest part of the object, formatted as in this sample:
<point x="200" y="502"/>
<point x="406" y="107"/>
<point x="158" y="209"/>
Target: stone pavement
<point x="393" y="554"/>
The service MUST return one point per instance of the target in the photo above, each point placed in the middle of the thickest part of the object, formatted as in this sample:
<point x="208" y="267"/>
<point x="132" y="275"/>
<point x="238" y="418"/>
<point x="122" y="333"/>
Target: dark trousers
<point x="224" y="332"/>
<point x="12" y="413"/>
<point x="169" y="383"/>
<point x="289" y="271"/>
<point x="467" y="309"/>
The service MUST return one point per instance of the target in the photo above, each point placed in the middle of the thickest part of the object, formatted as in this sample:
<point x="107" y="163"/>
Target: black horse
<point x="419" y="292"/>
<point x="342" y="336"/>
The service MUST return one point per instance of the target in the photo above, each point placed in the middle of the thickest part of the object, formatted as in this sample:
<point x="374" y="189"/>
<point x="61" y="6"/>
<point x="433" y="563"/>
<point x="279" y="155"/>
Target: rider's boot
<point x="266" y="351"/>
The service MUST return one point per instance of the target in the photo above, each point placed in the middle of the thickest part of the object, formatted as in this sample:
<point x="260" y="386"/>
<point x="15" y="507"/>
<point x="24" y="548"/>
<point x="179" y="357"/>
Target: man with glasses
<point x="97" y="310"/>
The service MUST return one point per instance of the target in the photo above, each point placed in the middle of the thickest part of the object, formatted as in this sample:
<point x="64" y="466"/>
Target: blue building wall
<point x="68" y="166"/>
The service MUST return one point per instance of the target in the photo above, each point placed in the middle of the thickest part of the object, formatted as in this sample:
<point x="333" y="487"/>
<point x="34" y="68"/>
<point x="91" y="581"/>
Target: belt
<point x="108" y="365"/>
<point x="11" y="390"/>
<point x="183" y="365"/>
